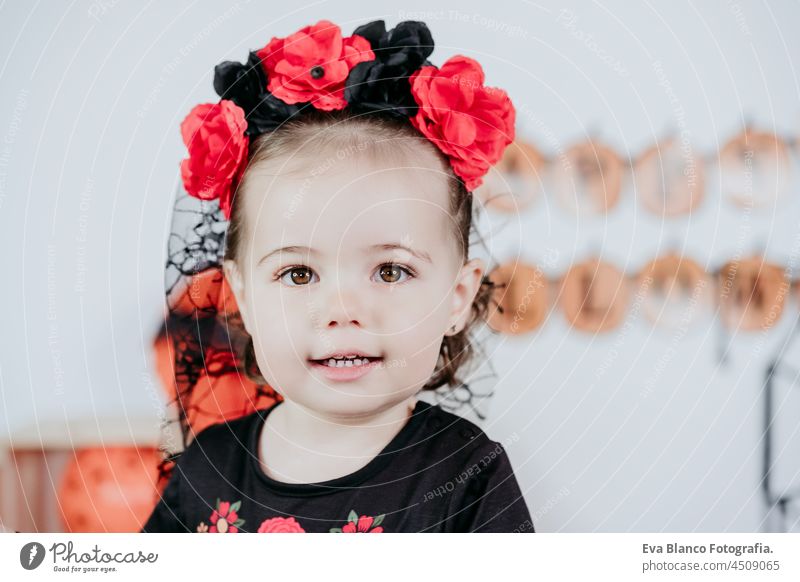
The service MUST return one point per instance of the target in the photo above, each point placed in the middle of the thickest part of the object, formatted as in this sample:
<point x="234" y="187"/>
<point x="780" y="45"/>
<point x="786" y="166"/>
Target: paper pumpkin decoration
<point x="754" y="169"/>
<point x="111" y="489"/>
<point x="669" y="179"/>
<point x="588" y="179"/>
<point x="206" y="293"/>
<point x="674" y="291"/>
<point x="220" y="394"/>
<point x="515" y="181"/>
<point x="594" y="296"/>
<point x="752" y="294"/>
<point x="520" y="302"/>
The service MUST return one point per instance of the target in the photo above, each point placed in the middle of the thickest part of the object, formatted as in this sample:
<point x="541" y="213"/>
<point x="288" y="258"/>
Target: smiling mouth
<point x="353" y="362"/>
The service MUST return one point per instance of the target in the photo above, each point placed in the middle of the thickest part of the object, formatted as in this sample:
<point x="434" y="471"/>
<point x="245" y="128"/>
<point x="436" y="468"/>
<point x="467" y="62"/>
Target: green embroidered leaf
<point x="352" y="516"/>
<point x="217" y="506"/>
<point x="336" y="530"/>
<point x="239" y="523"/>
<point x="378" y="520"/>
<point x="236" y="506"/>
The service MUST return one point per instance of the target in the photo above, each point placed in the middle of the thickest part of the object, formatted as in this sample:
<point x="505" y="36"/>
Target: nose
<point x="343" y="307"/>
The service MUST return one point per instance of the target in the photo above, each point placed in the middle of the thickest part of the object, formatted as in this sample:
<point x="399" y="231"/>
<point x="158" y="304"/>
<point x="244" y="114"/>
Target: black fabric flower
<point x="246" y="85"/>
<point x="382" y="84"/>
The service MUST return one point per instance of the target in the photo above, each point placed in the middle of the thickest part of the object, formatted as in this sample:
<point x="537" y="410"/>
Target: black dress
<point x="440" y="473"/>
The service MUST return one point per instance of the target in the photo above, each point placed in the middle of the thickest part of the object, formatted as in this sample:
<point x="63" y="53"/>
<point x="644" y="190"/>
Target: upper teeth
<point x="346" y="362"/>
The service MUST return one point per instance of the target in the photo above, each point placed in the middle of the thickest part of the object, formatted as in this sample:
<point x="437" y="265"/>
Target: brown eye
<point x="391" y="273"/>
<point x="298" y="275"/>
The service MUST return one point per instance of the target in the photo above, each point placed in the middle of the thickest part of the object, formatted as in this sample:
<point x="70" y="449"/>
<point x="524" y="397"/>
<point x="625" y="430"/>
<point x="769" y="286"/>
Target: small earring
<point x="452" y="328"/>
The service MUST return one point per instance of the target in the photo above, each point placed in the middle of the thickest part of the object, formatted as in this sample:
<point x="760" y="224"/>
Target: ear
<point x="467" y="285"/>
<point x="235" y="280"/>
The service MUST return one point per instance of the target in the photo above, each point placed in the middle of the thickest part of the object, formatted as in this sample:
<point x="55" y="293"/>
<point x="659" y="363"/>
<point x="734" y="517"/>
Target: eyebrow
<point x="299" y="249"/>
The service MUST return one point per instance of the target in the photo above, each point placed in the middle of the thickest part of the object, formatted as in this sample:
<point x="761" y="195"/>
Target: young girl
<point x="345" y="168"/>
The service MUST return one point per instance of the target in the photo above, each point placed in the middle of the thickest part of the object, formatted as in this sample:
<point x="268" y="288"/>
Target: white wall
<point x="91" y="95"/>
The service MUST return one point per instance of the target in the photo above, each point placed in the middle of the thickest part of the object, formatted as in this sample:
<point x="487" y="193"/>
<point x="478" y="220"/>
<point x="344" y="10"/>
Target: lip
<point x="345" y="374"/>
<point x="346" y="352"/>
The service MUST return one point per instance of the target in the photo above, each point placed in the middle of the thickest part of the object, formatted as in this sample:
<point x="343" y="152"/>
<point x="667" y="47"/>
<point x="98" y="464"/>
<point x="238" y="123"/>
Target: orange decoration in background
<point x="669" y="180"/>
<point x="206" y="293"/>
<point x="111" y="489"/>
<point x="515" y="181"/>
<point x="520" y="305"/>
<point x="589" y="179"/>
<point x="594" y="296"/>
<point x="217" y="396"/>
<point x="754" y="168"/>
<point x="214" y="399"/>
<point x="674" y="290"/>
<point x="752" y="293"/>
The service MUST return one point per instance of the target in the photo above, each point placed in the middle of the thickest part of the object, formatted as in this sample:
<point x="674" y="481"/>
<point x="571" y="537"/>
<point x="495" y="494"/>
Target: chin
<point x="349" y="400"/>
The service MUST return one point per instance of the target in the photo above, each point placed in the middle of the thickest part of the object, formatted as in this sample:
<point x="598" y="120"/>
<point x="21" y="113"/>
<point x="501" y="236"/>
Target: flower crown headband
<point x="373" y="70"/>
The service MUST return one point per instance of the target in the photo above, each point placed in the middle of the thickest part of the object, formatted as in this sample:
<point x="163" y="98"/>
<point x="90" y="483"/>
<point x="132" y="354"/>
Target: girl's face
<point x="352" y="257"/>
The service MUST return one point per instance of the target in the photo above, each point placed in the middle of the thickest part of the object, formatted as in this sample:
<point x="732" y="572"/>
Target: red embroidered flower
<point x="470" y="123"/>
<point x="356" y="524"/>
<point x="214" y="134"/>
<point x="312" y="64"/>
<point x="225" y="518"/>
<point x="280" y="525"/>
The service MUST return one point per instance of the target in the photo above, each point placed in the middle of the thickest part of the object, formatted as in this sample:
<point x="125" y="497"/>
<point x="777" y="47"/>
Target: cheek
<point x="415" y="322"/>
<point x="430" y="301"/>
<point x="414" y="351"/>
<point x="279" y="321"/>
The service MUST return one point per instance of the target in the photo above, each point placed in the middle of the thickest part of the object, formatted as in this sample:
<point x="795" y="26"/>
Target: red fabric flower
<point x="280" y="525"/>
<point x="470" y="123"/>
<point x="225" y="518"/>
<point x="214" y="134"/>
<point x="312" y="64"/>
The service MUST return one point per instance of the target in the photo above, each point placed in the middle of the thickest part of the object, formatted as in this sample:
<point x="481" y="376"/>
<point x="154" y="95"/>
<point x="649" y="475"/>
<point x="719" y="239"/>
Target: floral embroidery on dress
<point x="363" y="524"/>
<point x="224" y="518"/>
<point x="202" y="527"/>
<point x="280" y="525"/>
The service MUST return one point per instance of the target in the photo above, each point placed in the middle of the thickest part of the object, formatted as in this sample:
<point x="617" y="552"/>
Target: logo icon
<point x="31" y="555"/>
